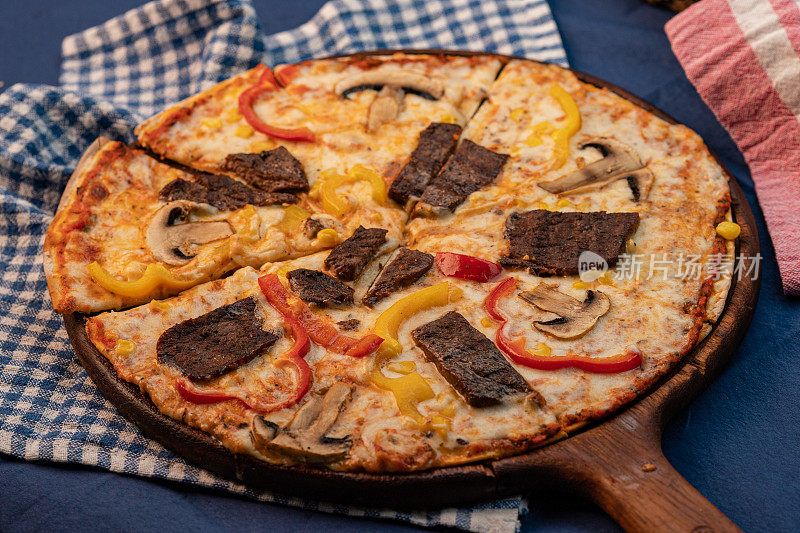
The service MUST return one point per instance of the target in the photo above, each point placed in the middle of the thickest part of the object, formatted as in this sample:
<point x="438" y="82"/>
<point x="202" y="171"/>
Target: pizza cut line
<point x="378" y="263"/>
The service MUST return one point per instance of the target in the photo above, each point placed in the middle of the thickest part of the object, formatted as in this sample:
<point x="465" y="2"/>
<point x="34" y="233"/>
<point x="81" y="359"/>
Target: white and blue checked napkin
<point x="119" y="73"/>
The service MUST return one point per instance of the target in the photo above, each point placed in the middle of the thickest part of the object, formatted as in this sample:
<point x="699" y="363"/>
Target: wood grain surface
<point x="616" y="462"/>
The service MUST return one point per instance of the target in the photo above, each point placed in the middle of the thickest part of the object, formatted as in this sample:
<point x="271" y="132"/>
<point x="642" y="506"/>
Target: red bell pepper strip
<point x="467" y="267"/>
<point x="320" y="330"/>
<point x="364" y="346"/>
<point x="190" y="393"/>
<point x="515" y="349"/>
<point x="266" y="82"/>
<point x="285" y="74"/>
<point x="292" y="357"/>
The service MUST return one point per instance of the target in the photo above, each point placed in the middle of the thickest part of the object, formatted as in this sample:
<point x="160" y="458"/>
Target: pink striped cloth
<point x="743" y="56"/>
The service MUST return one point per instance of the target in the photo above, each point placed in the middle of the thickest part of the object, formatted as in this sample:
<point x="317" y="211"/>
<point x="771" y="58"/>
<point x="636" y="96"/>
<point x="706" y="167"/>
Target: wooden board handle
<point x="654" y="497"/>
<point x="619" y="465"/>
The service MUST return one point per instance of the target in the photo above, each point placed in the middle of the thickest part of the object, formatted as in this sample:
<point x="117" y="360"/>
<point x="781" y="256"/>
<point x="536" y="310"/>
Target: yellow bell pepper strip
<point x="571" y="126"/>
<point x="408" y="391"/>
<point x="293" y="358"/>
<point x="411" y="389"/>
<point x="541" y="360"/>
<point x="389" y="321"/>
<point x="293" y="217"/>
<point x="266" y="82"/>
<point x="338" y="205"/>
<point x="155" y="276"/>
<point x="320" y="330"/>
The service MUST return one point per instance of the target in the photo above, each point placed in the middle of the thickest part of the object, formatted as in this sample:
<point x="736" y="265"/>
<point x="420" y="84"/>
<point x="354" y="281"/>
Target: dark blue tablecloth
<point x="739" y="443"/>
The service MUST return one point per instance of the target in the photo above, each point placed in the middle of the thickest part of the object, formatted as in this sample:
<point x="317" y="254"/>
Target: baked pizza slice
<point x="578" y="156"/>
<point x="130" y="228"/>
<point x="329" y="113"/>
<point x="288" y="366"/>
<point x="351" y="123"/>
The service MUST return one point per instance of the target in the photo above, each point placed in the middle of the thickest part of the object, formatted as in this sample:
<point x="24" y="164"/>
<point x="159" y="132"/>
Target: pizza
<point x="392" y="263"/>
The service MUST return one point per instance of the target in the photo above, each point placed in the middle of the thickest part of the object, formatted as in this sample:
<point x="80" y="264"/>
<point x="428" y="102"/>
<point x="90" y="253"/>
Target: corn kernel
<point x="440" y="425"/>
<point x="160" y="305"/>
<point x="402" y="367"/>
<point x="244" y="131"/>
<point x="283" y="270"/>
<point x="487" y="322"/>
<point x="328" y="237"/>
<point x="581" y="285"/>
<point x="261" y="146"/>
<point x="212" y="123"/>
<point x="516" y="114"/>
<point x="125" y="347"/>
<point x="539" y="131"/>
<point x="728" y="230"/>
<point x="454" y="293"/>
<point x="564" y="203"/>
<point x="542" y="349"/>
<point x="449" y="410"/>
<point x="534" y="139"/>
<point x="545" y="206"/>
<point x="232" y="115"/>
<point x="607" y="278"/>
<point x="449" y="119"/>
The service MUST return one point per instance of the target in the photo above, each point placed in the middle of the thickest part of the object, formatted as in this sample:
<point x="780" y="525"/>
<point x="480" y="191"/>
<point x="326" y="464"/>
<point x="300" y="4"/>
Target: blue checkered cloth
<point x="115" y="75"/>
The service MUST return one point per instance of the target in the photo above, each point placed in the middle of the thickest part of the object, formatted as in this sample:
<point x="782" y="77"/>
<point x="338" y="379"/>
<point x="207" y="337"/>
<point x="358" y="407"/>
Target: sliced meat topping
<point x="471" y="168"/>
<point x="351" y="324"/>
<point x="469" y="361"/>
<point x="550" y="243"/>
<point x="350" y="257"/>
<point x="406" y="267"/>
<point x="216" y="342"/>
<point x="221" y="192"/>
<point x="319" y="288"/>
<point x="273" y="170"/>
<point x="436" y="144"/>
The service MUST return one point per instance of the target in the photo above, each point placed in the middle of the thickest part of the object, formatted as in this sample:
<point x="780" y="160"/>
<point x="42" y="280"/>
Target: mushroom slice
<point x="263" y="430"/>
<point x="576" y="317"/>
<point x="409" y="80"/>
<point x="174" y="240"/>
<point x="305" y="437"/>
<point x="619" y="161"/>
<point x="391" y="86"/>
<point x="385" y="107"/>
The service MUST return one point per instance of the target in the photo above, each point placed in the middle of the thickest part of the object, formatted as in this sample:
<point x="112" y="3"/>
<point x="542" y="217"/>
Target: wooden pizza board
<point x="616" y="462"/>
